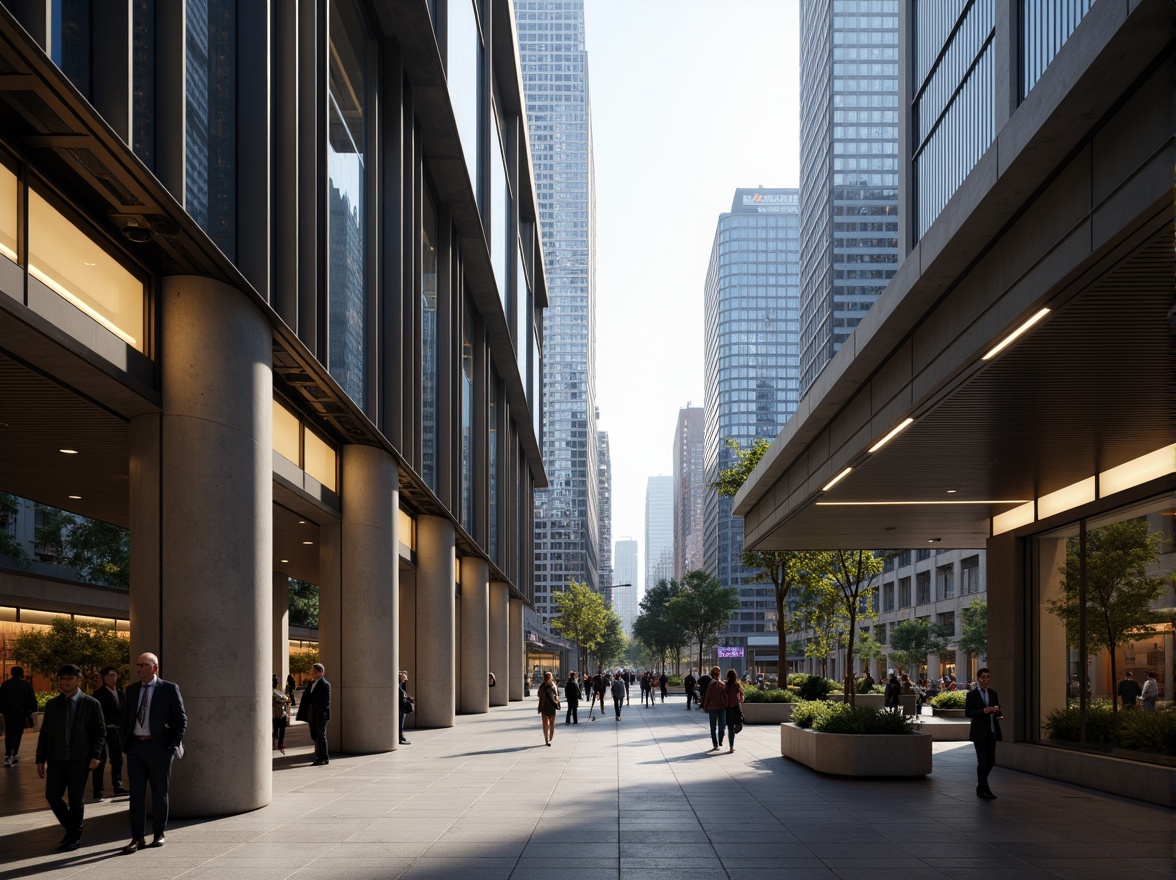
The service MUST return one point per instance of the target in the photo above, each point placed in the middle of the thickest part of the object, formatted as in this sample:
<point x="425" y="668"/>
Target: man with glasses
<point x="153" y="725"/>
<point x="983" y="707"/>
<point x="73" y="733"/>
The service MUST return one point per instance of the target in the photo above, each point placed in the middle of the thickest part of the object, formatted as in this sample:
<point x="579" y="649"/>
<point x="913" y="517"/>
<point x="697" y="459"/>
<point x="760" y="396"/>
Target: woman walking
<point x="733" y="691"/>
<point x="714" y="703"/>
<point x="281" y="716"/>
<point x="548" y="706"/>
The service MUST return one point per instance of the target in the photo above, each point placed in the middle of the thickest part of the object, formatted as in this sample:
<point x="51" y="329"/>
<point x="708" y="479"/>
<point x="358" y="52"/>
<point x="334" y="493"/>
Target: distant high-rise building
<point x="659" y="530"/>
<point x="604" y="493"/>
<point x="752" y="365"/>
<point x="848" y="169"/>
<point x="625" y="572"/>
<point x="689" y="488"/>
<point x="555" y="86"/>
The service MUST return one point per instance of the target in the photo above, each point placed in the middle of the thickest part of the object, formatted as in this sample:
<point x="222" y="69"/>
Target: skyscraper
<point x="555" y="86"/>
<point x="604" y="494"/>
<point x="659" y="530"/>
<point x="689" y="488"/>
<point x="848" y="169"/>
<point x="752" y="365"/>
<point x="625" y="572"/>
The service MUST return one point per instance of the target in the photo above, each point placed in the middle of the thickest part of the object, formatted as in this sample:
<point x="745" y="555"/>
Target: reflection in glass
<point x="467" y="425"/>
<point x="429" y="342"/>
<point x="143" y="80"/>
<point x="70" y="41"/>
<point x="493" y="456"/>
<point x="345" y="169"/>
<point x="500" y="237"/>
<point x="462" y="65"/>
<point x="9" y="221"/>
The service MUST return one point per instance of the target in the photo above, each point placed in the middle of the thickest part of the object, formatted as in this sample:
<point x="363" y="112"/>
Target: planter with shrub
<point x="1129" y="729"/>
<point x="838" y="739"/>
<point x="949" y="704"/>
<point x="768" y="706"/>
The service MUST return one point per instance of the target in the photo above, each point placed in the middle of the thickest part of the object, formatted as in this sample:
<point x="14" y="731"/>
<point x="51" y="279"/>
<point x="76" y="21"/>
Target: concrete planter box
<point x="767" y="713"/>
<point x="842" y="754"/>
<point x="948" y="713"/>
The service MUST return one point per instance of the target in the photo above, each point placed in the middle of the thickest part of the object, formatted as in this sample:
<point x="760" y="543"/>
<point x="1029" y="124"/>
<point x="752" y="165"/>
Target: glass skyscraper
<point x="555" y="85"/>
<point x="689" y="489"/>
<point x="752" y="303"/>
<point x="848" y="169"/>
<point x="659" y="530"/>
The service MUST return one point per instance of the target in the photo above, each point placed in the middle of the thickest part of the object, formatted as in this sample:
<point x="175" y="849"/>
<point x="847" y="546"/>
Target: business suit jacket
<point x="111" y="711"/>
<point x="166" y="718"/>
<point x="17" y="695"/>
<point x="85" y="741"/>
<point x="974" y="708"/>
<point x="316" y="703"/>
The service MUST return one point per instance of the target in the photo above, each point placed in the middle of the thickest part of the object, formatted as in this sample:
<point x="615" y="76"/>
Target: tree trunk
<point x="781" y="642"/>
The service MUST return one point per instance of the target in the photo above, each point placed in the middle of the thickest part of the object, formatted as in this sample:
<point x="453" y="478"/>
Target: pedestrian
<point x="110" y="697"/>
<point x="572" y="694"/>
<point x="983" y="707"/>
<point x="868" y="679"/>
<point x="662" y="681"/>
<point x="714" y="703"/>
<point x="548" y="706"/>
<point x="628" y="683"/>
<point x="1128" y="690"/>
<point x="690" y="682"/>
<point x="644" y="687"/>
<point x="733" y="692"/>
<point x="618" y="695"/>
<point x="407" y="704"/>
<point x="153" y="726"/>
<point x="73" y="734"/>
<point x="18" y="702"/>
<point x="492" y="681"/>
<point x="704" y="681"/>
<point x="893" y="690"/>
<point x="281" y="712"/>
<point x="1150" y="692"/>
<point x="291" y="687"/>
<point x="316" y="712"/>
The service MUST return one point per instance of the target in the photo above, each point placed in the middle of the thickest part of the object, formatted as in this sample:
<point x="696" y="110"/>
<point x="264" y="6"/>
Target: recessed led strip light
<point x="837" y="479"/>
<point x="915" y="503"/>
<point x="999" y="347"/>
<point x="898" y="430"/>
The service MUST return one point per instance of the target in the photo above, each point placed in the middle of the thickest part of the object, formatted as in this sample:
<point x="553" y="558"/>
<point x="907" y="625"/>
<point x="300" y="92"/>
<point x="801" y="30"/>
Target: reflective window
<point x="318" y="458"/>
<point x="69" y="41"/>
<point x="63" y="257"/>
<point x="493" y="423"/>
<point x="9" y="221"/>
<point x="143" y="80"/>
<point x="500" y="237"/>
<point x="429" y="342"/>
<point x="522" y="314"/>
<point x="1045" y="27"/>
<point x="287" y="434"/>
<point x="467" y="424"/>
<point x="463" y="72"/>
<point x="347" y="104"/>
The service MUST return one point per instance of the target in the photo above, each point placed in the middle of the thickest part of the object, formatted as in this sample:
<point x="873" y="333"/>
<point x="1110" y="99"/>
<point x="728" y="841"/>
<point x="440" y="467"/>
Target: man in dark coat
<point x="153" y="725"/>
<point x="704" y="681"/>
<point x="572" y="698"/>
<point x="315" y="710"/>
<point x="72" y="736"/>
<point x="18" y="702"/>
<point x="690" y="682"/>
<point x="983" y="706"/>
<point x="111" y="697"/>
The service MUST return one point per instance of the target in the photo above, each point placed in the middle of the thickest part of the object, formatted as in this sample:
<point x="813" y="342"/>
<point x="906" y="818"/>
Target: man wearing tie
<point x="983" y="707"/>
<point x="71" y="740"/>
<point x="153" y="724"/>
<point x="315" y="710"/>
<point x="110" y="696"/>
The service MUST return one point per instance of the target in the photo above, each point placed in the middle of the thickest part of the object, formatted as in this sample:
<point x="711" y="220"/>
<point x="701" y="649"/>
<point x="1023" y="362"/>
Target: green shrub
<point x="814" y="687"/>
<point x="674" y="681"/>
<point x="862" y="686"/>
<point x="44" y="697"/>
<point x="1065" y="725"/>
<point x="950" y="700"/>
<point x="807" y="712"/>
<point x="1147" y="731"/>
<point x="752" y="694"/>
<point x="795" y="678"/>
<point x="863" y="720"/>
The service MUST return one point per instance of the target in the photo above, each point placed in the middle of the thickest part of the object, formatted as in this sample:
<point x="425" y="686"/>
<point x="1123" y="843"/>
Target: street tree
<point x="1120" y="590"/>
<point x="580" y="616"/>
<point x="702" y="608"/>
<point x="90" y="647"/>
<point x="973" y="639"/>
<point x="851" y="588"/>
<point x="99" y="552"/>
<point x="304" y="603"/>
<point x="912" y="640"/>
<point x="10" y="507"/>
<point x="614" y="643"/>
<point x="655" y="626"/>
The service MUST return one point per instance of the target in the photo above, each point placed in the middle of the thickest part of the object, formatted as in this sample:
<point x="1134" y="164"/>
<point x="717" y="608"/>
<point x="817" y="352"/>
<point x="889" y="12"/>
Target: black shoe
<point x="97" y="796"/>
<point x="987" y="795"/>
<point x="71" y="844"/>
<point x="65" y="840"/>
<point x="159" y="840"/>
<point x="405" y="742"/>
<point x="317" y="763"/>
<point x="136" y="844"/>
<point x="121" y="790"/>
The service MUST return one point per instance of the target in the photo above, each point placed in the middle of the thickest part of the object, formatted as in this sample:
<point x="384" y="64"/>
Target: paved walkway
<point x="635" y="799"/>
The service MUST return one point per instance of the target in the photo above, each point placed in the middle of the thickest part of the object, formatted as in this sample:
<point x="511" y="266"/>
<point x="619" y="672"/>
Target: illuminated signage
<point x="728" y="651"/>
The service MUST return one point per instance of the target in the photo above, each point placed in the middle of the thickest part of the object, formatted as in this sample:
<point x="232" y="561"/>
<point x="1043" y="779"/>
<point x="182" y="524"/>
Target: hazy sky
<point x="690" y="99"/>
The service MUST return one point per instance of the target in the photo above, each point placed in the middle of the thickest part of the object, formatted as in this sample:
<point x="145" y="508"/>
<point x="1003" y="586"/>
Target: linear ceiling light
<point x="1137" y="471"/>
<point x="837" y="479"/>
<point x="914" y="503"/>
<point x="1008" y="339"/>
<point x="899" y="429"/>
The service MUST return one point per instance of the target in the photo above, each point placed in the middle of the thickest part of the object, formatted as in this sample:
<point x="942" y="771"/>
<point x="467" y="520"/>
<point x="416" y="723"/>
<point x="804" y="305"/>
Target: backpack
<point x="618" y="689"/>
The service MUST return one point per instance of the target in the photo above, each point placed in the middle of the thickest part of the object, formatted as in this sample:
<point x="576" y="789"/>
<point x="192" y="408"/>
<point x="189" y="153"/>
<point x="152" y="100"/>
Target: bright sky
<point x="690" y="99"/>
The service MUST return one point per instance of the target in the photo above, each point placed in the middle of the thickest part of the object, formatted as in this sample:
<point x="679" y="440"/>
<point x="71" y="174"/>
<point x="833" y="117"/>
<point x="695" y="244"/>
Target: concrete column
<point x="517" y="660"/>
<point x="435" y="683"/>
<point x="281" y="622"/>
<point x="201" y="514"/>
<point x="500" y="642"/>
<point x="475" y="636"/>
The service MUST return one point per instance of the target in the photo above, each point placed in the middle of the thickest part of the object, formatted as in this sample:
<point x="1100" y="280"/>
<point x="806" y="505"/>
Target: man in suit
<point x="315" y="710"/>
<point x="983" y="706"/>
<point x="18" y="702"/>
<point x="110" y="696"/>
<point x="153" y="725"/>
<point x="72" y="736"/>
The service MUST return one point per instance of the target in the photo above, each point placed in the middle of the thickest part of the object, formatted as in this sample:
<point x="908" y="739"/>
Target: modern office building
<point x="659" y="530"/>
<point x="604" y="494"/>
<point x="848" y="169"/>
<point x="625" y="572"/>
<point x="752" y="361"/>
<point x="689" y="489"/>
<point x="559" y="118"/>
<point x="1011" y="388"/>
<point x="271" y="290"/>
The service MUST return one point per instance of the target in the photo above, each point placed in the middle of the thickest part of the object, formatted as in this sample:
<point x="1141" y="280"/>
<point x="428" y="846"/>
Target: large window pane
<point x="429" y="342"/>
<point x="347" y="131"/>
<point x="467" y="425"/>
<point x="500" y="237"/>
<point x="9" y="222"/>
<point x="463" y="64"/>
<point x="493" y="456"/>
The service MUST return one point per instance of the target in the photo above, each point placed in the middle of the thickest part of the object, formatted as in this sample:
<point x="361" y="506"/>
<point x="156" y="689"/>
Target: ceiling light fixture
<point x="951" y="491"/>
<point x="308" y="542"/>
<point x="68" y="451"/>
<point x="837" y="479"/>
<point x="284" y="560"/>
<point x="75" y="497"/>
<point x="934" y="540"/>
<point x="899" y="429"/>
<point x="915" y="503"/>
<point x="301" y="522"/>
<point x="999" y="347"/>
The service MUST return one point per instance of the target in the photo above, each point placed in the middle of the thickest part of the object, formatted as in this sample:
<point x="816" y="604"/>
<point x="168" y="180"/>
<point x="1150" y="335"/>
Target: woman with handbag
<point x="733" y="690"/>
<point x="548" y="706"/>
<point x="405" y="705"/>
<point x="281" y="716"/>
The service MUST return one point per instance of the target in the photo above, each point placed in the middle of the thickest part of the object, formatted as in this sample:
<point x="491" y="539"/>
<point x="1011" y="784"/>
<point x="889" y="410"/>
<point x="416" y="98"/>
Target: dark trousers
<point x="617" y="703"/>
<point x="148" y="762"/>
<point x="318" y="733"/>
<point x="67" y="778"/>
<point x="403" y="718"/>
<point x="985" y="760"/>
<point x="571" y="717"/>
<point x="718" y="720"/>
<point x="114" y="755"/>
<point x="280" y="731"/>
<point x="689" y="698"/>
<point x="14" y="728"/>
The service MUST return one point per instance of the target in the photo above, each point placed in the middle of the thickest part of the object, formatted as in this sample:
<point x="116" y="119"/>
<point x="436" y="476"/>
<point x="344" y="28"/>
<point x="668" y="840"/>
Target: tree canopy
<point x="87" y="646"/>
<point x="614" y="643"/>
<point x="581" y="616"/>
<point x="973" y="639"/>
<point x="702" y="608"/>
<point x="304" y="603"/>
<point x="655" y="626"/>
<point x="98" y="551"/>
<point x="912" y="640"/>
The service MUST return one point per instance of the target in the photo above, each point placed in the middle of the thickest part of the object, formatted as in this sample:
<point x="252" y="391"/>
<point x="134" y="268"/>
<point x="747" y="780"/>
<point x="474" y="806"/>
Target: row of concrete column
<point x="205" y="598"/>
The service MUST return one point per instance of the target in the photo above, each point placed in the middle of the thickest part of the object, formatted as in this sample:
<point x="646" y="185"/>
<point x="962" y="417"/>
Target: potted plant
<point x="767" y="706"/>
<point x="845" y="740"/>
<point x="949" y="704"/>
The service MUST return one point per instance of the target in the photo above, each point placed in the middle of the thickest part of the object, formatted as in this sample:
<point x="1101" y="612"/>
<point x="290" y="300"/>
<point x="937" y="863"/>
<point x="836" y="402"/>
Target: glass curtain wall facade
<point x="604" y="493"/>
<point x="849" y="169"/>
<point x="659" y="530"/>
<point x="689" y="489"/>
<point x="625" y="572"/>
<point x="555" y="82"/>
<point x="752" y="301"/>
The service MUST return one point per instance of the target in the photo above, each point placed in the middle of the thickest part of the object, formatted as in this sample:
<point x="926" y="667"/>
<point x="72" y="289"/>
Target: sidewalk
<point x="637" y="799"/>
